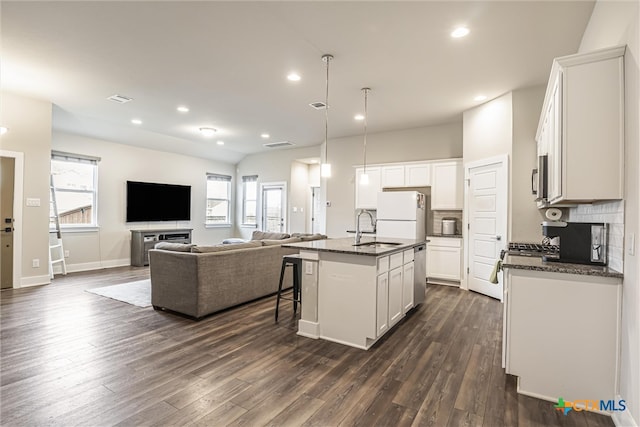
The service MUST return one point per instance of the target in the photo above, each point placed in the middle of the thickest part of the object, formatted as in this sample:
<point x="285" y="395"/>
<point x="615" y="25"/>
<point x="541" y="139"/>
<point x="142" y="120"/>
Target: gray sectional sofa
<point x="199" y="280"/>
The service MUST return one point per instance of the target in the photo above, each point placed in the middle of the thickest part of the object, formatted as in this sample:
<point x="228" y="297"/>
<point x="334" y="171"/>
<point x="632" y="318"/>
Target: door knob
<point x="498" y="238"/>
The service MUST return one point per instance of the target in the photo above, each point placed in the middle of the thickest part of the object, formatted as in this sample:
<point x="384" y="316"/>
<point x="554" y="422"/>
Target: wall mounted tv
<point x="147" y="201"/>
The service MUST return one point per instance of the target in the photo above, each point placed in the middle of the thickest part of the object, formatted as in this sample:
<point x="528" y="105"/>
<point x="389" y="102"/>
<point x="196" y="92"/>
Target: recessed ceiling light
<point x="136" y="121"/>
<point x="358" y="117"/>
<point x="3" y="130"/>
<point x="294" y="77"/>
<point x="480" y="98"/>
<point x="459" y="32"/>
<point x="208" y="131"/>
<point x="183" y="109"/>
<point x="265" y="135"/>
<point x="220" y="142"/>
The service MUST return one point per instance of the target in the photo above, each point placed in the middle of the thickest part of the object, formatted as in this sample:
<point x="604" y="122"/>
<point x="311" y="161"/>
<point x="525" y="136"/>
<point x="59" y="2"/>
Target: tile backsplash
<point x="611" y="213"/>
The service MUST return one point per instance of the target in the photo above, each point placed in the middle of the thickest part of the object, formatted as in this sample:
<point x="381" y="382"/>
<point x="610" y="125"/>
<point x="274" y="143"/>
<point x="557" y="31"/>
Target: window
<point x="218" y="199"/>
<point x="249" y="200"/>
<point x="74" y="178"/>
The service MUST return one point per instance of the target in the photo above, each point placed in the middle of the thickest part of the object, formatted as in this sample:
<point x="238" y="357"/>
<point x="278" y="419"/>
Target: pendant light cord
<point x="327" y="59"/>
<point x="364" y="149"/>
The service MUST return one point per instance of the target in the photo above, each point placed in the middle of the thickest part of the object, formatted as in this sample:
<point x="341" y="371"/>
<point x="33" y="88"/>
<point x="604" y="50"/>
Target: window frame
<point x="245" y="180"/>
<point x="223" y="178"/>
<point x="60" y="156"/>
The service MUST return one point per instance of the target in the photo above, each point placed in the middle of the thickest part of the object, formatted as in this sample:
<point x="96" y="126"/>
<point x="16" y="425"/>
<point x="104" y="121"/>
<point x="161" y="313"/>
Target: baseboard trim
<point x="88" y="266"/>
<point x="624" y="418"/>
<point x="26" y="282"/>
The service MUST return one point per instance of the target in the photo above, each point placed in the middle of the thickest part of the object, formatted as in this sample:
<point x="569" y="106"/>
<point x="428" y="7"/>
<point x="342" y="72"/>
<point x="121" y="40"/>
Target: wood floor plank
<point x="70" y="357"/>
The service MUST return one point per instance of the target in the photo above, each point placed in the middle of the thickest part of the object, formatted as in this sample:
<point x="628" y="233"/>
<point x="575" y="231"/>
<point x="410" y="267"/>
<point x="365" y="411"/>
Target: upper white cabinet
<point x="448" y="185"/>
<point x="581" y="128"/>
<point x="392" y="176"/>
<point x="367" y="194"/>
<point x="418" y="175"/>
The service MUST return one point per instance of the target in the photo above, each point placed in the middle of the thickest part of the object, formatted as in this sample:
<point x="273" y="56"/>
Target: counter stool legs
<point x="296" y="263"/>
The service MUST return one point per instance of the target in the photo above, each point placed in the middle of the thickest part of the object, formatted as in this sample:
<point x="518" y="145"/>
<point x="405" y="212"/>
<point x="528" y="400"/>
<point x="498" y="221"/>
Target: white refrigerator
<point x="401" y="214"/>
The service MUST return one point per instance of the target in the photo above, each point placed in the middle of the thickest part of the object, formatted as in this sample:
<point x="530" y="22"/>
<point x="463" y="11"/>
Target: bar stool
<point x="295" y="262"/>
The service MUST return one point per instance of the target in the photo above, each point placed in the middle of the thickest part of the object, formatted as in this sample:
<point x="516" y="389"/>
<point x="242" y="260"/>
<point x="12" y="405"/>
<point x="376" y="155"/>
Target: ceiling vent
<point x="278" y="144"/>
<point x="318" y="105"/>
<point x="120" y="99"/>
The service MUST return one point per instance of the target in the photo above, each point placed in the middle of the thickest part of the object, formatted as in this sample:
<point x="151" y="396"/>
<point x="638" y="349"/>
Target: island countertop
<point x="537" y="264"/>
<point x="346" y="245"/>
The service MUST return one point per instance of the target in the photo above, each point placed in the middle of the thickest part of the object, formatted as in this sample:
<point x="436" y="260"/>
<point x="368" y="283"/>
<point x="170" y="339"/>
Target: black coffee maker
<point x="580" y="242"/>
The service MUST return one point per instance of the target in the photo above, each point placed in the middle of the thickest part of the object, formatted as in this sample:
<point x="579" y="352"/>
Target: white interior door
<point x="487" y="219"/>
<point x="274" y="202"/>
<point x="7" y="169"/>
<point x="317" y="213"/>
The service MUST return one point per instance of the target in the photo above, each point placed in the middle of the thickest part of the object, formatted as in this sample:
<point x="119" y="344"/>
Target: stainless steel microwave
<point x="539" y="179"/>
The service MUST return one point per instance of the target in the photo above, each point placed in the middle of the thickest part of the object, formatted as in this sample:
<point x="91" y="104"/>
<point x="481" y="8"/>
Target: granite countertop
<point x="345" y="246"/>
<point x="455" y="236"/>
<point x="537" y="264"/>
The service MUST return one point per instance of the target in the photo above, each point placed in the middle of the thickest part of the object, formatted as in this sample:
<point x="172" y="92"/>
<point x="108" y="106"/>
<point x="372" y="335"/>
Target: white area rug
<point x="135" y="293"/>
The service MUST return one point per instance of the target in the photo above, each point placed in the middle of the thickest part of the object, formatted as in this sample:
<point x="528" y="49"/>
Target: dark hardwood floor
<point x="69" y="357"/>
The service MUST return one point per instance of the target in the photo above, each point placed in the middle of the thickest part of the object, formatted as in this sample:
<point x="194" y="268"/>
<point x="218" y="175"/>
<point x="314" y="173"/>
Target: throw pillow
<point x="176" y="247"/>
<point x="222" y="248"/>
<point x="260" y="235"/>
<point x="273" y="242"/>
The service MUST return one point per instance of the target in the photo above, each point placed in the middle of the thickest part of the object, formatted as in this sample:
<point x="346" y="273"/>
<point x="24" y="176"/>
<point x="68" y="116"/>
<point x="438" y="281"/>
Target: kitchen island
<point x="354" y="294"/>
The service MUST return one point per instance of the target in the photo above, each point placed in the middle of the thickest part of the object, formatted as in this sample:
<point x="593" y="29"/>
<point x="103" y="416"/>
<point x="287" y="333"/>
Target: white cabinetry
<point x="561" y="333"/>
<point x="392" y="176"/>
<point x="444" y="259"/>
<point x="581" y="128"/>
<point x="418" y="175"/>
<point x="367" y="194"/>
<point x="395" y="288"/>
<point x="447" y="189"/>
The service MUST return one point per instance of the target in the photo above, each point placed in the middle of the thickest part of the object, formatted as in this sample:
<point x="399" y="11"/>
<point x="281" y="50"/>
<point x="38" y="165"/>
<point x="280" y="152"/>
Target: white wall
<point x="425" y="143"/>
<point x="110" y="245"/>
<point x="29" y="123"/>
<point x="299" y="197"/>
<point x="617" y="23"/>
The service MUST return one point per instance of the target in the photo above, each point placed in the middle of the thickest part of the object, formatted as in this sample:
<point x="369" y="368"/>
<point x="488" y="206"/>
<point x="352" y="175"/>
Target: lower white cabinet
<point x="444" y="259"/>
<point x="561" y="333"/>
<point x="395" y="296"/>
<point x="382" y="304"/>
<point x="407" y="286"/>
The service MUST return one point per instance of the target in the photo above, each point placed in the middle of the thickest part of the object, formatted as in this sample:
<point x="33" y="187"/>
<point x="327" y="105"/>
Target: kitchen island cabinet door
<point x="382" y="304"/>
<point x="395" y="296"/>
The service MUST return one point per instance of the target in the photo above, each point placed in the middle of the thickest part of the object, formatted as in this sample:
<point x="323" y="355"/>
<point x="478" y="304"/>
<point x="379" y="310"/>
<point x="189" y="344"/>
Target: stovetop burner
<point x="534" y="249"/>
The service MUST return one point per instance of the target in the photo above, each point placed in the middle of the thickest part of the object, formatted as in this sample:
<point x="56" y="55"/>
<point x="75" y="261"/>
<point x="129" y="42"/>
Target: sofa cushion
<point x="308" y="236"/>
<point x="260" y="235"/>
<point x="176" y="247"/>
<point x="223" y="247"/>
<point x="272" y="242"/>
<point x="233" y="240"/>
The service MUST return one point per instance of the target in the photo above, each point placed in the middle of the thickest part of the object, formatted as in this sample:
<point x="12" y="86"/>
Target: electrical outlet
<point x="33" y="202"/>
<point x="35" y="263"/>
<point x="308" y="268"/>
<point x="66" y="254"/>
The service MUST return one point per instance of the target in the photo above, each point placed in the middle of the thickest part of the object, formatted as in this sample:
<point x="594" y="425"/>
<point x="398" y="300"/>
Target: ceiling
<point x="228" y="62"/>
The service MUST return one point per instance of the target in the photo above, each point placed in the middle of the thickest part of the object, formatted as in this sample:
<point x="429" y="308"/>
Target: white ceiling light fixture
<point x="265" y="135"/>
<point x="325" y="167"/>
<point x="136" y="121"/>
<point x="3" y="130"/>
<point x="183" y="109"/>
<point x="358" y="117"/>
<point x="208" y="132"/>
<point x="293" y="77"/>
<point x="460" y="32"/>
<point x="364" y="178"/>
<point x="480" y="98"/>
<point x="220" y="142"/>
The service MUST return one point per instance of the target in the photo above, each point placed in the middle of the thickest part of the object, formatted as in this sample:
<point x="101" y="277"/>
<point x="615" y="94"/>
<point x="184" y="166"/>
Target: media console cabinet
<point x="143" y="240"/>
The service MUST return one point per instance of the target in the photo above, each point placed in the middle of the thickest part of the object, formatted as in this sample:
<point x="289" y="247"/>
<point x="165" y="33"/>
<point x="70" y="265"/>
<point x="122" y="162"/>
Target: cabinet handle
<point x="534" y="190"/>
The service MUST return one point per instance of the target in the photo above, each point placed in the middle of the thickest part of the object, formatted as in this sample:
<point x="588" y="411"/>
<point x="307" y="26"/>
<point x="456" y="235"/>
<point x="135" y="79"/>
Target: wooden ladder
<point x="56" y="250"/>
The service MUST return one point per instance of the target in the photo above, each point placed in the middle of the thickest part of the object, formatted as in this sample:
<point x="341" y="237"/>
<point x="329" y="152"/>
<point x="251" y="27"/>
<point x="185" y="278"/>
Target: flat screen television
<point x="147" y="201"/>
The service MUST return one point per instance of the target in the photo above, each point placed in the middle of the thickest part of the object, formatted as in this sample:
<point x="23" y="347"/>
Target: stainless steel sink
<point x="382" y="245"/>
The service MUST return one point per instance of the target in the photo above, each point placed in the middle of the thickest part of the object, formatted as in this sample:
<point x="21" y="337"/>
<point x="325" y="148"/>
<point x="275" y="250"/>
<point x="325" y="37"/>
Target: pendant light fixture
<point x="364" y="178"/>
<point x="325" y="167"/>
